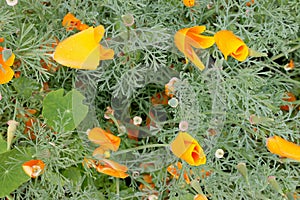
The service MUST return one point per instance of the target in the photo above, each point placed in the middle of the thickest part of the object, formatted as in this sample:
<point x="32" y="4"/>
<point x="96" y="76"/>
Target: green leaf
<point x="64" y="111"/>
<point x="72" y="174"/>
<point x="11" y="172"/>
<point x="25" y="86"/>
<point x="3" y="145"/>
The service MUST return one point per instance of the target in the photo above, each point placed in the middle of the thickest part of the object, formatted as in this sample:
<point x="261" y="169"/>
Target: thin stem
<point x="141" y="147"/>
<point x="118" y="187"/>
<point x="283" y="54"/>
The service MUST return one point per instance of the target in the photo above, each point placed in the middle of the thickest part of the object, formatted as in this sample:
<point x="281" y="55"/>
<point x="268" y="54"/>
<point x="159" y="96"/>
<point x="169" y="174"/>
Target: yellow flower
<point x="187" y="38"/>
<point x="189" y="3"/>
<point x="187" y="148"/>
<point x="231" y="45"/>
<point x="283" y="148"/>
<point x="82" y="50"/>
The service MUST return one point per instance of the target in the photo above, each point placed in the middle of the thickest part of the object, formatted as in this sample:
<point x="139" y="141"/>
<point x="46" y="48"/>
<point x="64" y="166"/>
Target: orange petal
<point x="104" y="139"/>
<point x="229" y="44"/>
<point x="112" y="168"/>
<point x="187" y="38"/>
<point x="106" y="54"/>
<point x="283" y="148"/>
<point x="189" y="3"/>
<point x="200" y="197"/>
<point x="33" y="168"/>
<point x="6" y="74"/>
<point x="82" y="50"/>
<point x="187" y="148"/>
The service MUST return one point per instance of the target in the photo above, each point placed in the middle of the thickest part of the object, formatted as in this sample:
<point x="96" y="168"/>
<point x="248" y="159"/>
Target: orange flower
<point x="283" y="148"/>
<point x="175" y="172"/>
<point x="6" y="73"/>
<point x="112" y="168"/>
<point x="291" y="98"/>
<point x="187" y="148"/>
<point x="82" y="50"/>
<point x="71" y="22"/>
<point x="229" y="44"/>
<point x="105" y="139"/>
<point x="33" y="168"/>
<point x="187" y="38"/>
<point x="189" y="3"/>
<point x="200" y="197"/>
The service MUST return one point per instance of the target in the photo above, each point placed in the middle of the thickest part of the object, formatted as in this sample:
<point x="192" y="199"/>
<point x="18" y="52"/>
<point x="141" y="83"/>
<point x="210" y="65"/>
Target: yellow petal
<point x="189" y="3"/>
<point x="187" y="38"/>
<point x="6" y="74"/>
<point x="187" y="148"/>
<point x="283" y="148"/>
<point x="82" y="50"/>
<point x="229" y="44"/>
<point x="105" y="139"/>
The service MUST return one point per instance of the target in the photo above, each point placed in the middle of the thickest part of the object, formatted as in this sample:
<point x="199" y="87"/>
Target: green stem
<point x="118" y="187"/>
<point x="283" y="54"/>
<point x="141" y="147"/>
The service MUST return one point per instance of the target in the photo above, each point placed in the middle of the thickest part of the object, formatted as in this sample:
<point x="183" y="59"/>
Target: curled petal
<point x="187" y="148"/>
<point x="229" y="44"/>
<point x="187" y="38"/>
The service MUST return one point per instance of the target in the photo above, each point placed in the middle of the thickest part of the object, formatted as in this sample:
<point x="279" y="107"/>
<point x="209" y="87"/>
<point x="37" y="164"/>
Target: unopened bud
<point x="241" y="167"/>
<point x="128" y="19"/>
<point x="275" y="185"/>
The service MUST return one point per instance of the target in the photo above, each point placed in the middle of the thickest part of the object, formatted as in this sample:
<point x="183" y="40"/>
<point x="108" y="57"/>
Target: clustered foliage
<point x="217" y="102"/>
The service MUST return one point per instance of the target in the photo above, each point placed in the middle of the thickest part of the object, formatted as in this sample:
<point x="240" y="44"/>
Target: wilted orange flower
<point x="289" y="66"/>
<point x="112" y="168"/>
<point x="231" y="45"/>
<point x="175" y="172"/>
<point x="6" y="73"/>
<point x="283" y="148"/>
<point x="187" y="38"/>
<point x="291" y="98"/>
<point x="71" y="22"/>
<point x="189" y="3"/>
<point x="169" y="87"/>
<point x="187" y="148"/>
<point x="82" y="50"/>
<point x="159" y="98"/>
<point x="148" y="179"/>
<point x="105" y="139"/>
<point x="33" y="168"/>
<point x="200" y="197"/>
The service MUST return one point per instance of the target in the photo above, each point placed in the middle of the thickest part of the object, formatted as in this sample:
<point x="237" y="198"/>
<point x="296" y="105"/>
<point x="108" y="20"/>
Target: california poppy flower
<point x="82" y="50"/>
<point x="105" y="139"/>
<point x="112" y="168"/>
<point x="200" y="197"/>
<point x="175" y="172"/>
<point x="231" y="45"/>
<point x="291" y="98"/>
<point x="71" y="22"/>
<point x="188" y="149"/>
<point x="189" y="3"/>
<point x="33" y="168"/>
<point x="6" y="73"/>
<point x="187" y="38"/>
<point x="283" y="148"/>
